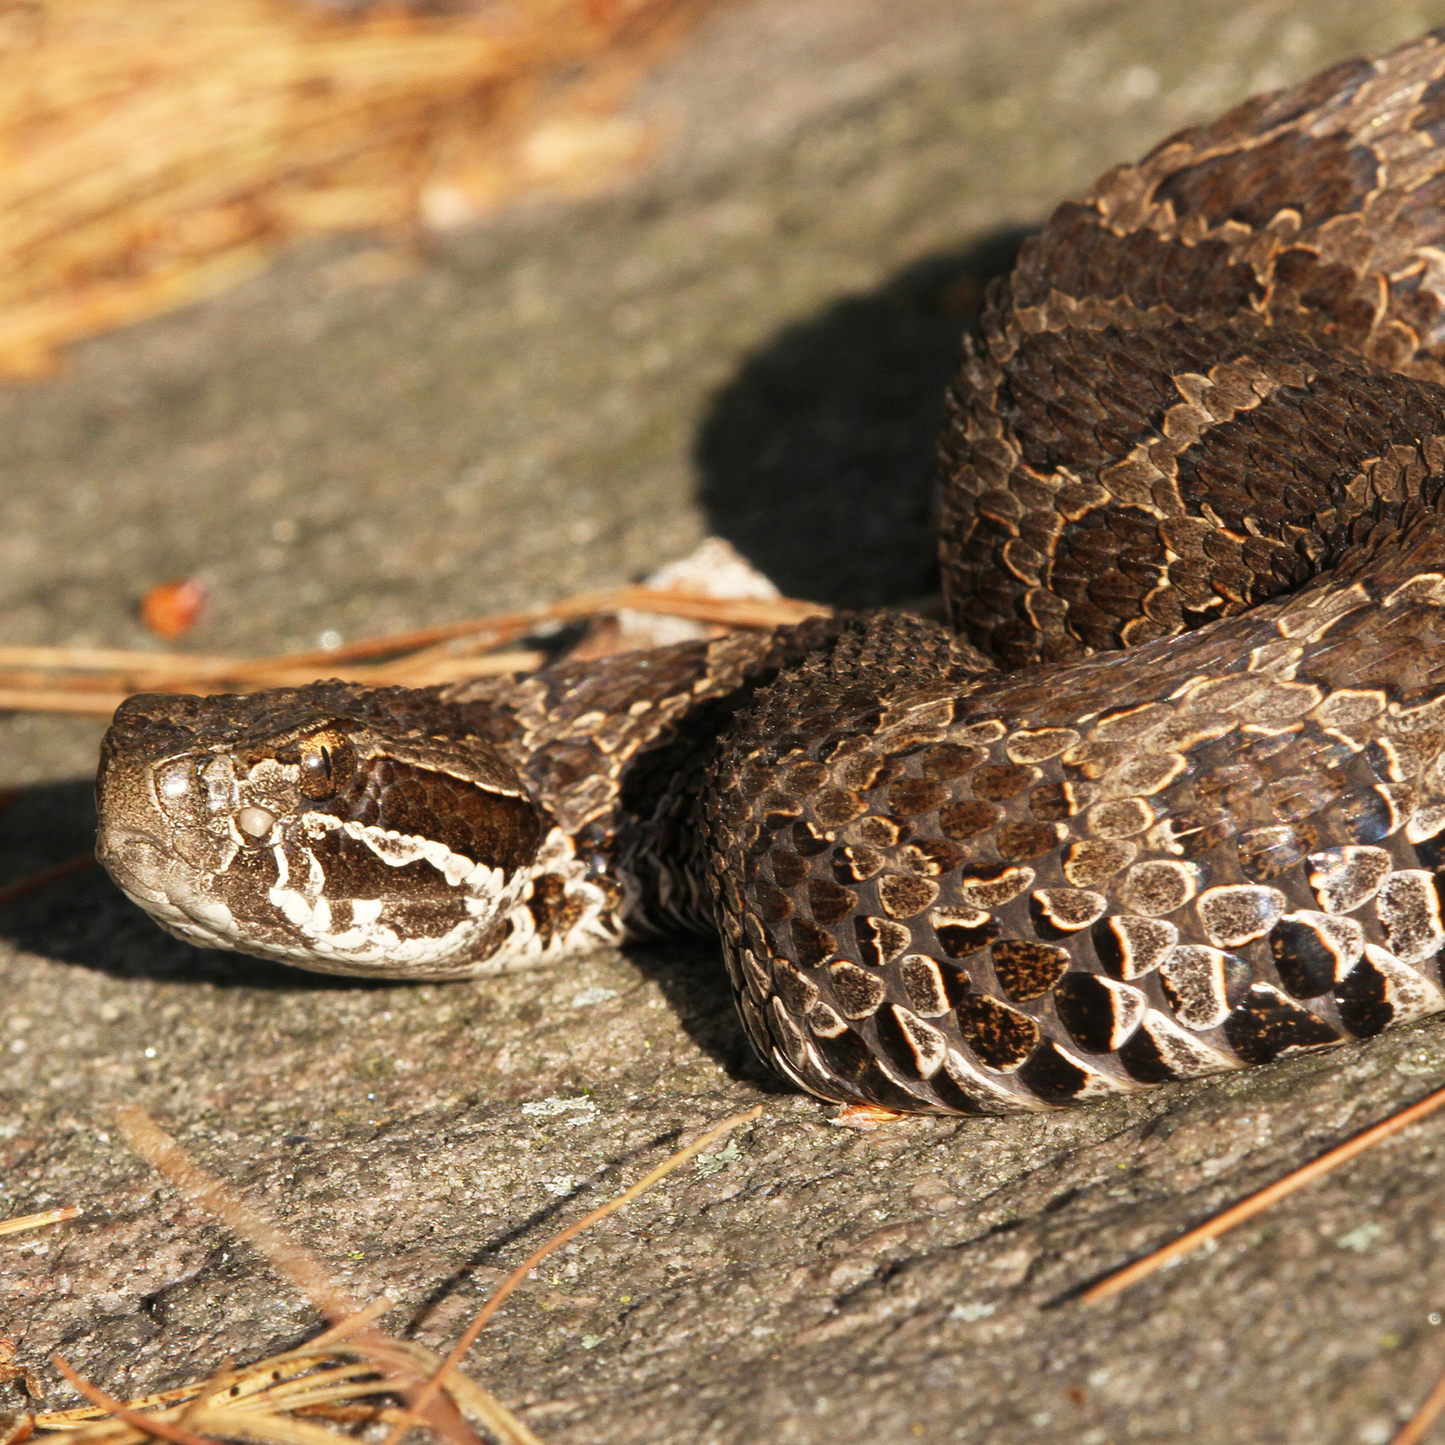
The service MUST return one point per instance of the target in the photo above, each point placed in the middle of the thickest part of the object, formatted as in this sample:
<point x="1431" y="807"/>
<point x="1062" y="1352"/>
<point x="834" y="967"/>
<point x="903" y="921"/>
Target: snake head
<point x="337" y="828"/>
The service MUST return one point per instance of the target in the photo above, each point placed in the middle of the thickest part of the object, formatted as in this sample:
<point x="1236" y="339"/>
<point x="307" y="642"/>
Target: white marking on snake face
<point x="295" y="909"/>
<point x="398" y="849"/>
<point x="194" y="915"/>
<point x="210" y="911"/>
<point x="295" y="901"/>
<point x="370" y="942"/>
<point x="383" y="946"/>
<point x="369" y="939"/>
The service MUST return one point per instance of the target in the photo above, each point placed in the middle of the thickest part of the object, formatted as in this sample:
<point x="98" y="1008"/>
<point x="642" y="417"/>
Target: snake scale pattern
<point x="1170" y="801"/>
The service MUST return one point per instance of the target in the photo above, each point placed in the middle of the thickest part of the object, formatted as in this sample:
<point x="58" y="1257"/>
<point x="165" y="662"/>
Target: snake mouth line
<point x="133" y="859"/>
<point x="150" y="874"/>
<point x="353" y="936"/>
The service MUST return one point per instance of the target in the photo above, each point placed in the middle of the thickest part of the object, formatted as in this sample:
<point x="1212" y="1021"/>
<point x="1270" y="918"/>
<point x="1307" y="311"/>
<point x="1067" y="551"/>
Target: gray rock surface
<point x="749" y="339"/>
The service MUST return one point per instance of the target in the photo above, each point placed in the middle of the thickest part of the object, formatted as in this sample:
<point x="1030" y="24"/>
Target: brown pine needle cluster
<point x="386" y="116"/>
<point x="352" y="1374"/>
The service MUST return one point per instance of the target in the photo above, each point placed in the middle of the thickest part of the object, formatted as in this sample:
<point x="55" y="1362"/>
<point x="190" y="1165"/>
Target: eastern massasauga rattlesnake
<point x="1204" y="423"/>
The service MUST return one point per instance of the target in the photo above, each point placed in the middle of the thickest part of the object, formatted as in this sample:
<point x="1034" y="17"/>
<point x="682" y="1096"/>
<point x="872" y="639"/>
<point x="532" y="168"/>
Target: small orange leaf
<point x="171" y="609"/>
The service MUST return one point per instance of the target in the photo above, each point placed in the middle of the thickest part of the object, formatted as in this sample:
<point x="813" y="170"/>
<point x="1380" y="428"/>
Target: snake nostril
<point x="255" y="823"/>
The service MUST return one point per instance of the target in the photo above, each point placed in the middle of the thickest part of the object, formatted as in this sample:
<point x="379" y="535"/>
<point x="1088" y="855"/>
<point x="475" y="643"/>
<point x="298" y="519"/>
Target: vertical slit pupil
<point x="326" y="765"/>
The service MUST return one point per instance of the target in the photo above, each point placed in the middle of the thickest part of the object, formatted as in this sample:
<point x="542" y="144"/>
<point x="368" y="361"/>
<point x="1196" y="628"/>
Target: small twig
<point x="96" y="680"/>
<point x="44" y="877"/>
<point x="147" y="1423"/>
<point x="59" y="699"/>
<point x="1415" y="1427"/>
<point x="1248" y="1208"/>
<point x="469" y="1336"/>
<point x="22" y="1222"/>
<point x="507" y="626"/>
<point x="112" y="659"/>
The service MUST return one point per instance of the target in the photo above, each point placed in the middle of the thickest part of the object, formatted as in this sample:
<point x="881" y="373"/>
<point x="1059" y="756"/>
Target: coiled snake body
<point x="1172" y="802"/>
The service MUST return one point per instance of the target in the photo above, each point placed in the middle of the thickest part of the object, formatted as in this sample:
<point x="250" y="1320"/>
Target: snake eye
<point x="327" y="763"/>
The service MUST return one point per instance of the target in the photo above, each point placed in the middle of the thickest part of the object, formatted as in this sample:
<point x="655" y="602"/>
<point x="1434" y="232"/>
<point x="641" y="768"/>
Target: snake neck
<point x="614" y="753"/>
<point x="618" y="754"/>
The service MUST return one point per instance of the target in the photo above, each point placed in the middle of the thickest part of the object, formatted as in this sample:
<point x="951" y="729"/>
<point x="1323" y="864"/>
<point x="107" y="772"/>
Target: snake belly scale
<point x="1170" y="801"/>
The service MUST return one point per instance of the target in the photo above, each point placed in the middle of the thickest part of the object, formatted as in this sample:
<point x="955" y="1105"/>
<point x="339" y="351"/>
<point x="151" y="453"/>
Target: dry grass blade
<point x="161" y="1429"/>
<point x="262" y="1402"/>
<point x="22" y="1222"/>
<point x="114" y="204"/>
<point x="1248" y="1208"/>
<point x="470" y="1334"/>
<point x="1415" y="1427"/>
